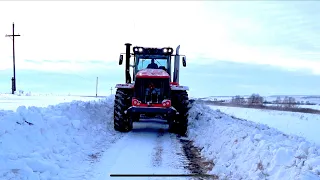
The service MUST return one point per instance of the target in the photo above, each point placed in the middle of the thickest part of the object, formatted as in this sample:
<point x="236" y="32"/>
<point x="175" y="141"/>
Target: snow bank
<point x="245" y="150"/>
<point x="12" y="102"/>
<point x="296" y="123"/>
<point x="58" y="142"/>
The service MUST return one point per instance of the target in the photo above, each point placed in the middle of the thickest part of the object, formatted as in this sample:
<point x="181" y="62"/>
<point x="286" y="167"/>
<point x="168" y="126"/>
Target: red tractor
<point x="153" y="90"/>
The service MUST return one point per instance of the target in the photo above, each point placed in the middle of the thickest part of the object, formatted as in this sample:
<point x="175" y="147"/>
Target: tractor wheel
<point x="179" y="123"/>
<point x="122" y="122"/>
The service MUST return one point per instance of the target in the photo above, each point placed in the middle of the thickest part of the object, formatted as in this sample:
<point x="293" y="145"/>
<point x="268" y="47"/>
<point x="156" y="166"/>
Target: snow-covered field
<point x="311" y="99"/>
<point x="76" y="140"/>
<point x="317" y="107"/>
<point x="12" y="102"/>
<point x="243" y="149"/>
<point x="301" y="124"/>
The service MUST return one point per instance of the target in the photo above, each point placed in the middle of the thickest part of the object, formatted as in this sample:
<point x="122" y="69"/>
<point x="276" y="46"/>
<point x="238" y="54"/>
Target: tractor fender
<point x="179" y="88"/>
<point x="125" y="86"/>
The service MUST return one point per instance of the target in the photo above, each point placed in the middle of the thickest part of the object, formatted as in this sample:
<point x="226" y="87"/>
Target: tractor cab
<point x="152" y="58"/>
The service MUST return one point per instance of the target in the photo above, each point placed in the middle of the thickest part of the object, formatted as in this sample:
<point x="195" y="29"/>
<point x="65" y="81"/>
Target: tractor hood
<point x="152" y="73"/>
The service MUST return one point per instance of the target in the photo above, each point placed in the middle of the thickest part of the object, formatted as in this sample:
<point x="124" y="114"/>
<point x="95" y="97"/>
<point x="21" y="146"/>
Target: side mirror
<point x="184" y="63"/>
<point x="120" y="59"/>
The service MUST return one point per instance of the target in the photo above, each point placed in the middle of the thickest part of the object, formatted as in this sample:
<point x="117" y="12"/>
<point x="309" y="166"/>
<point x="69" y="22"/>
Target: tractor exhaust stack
<point x="128" y="77"/>
<point x="176" y="66"/>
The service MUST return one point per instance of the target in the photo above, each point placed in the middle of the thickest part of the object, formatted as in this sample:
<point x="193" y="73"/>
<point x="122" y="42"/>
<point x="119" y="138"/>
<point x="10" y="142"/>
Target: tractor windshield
<point x="152" y="63"/>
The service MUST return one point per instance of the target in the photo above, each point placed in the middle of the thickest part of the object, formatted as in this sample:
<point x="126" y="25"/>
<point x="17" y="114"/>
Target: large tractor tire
<point x="122" y="121"/>
<point x="179" y="123"/>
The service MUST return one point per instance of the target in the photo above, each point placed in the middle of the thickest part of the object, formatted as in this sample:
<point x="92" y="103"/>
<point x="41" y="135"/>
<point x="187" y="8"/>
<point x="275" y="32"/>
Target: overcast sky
<point x="59" y="35"/>
<point x="84" y="30"/>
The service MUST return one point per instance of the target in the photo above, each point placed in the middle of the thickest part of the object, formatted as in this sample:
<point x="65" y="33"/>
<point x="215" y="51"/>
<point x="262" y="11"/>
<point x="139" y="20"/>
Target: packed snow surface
<point x="148" y="149"/>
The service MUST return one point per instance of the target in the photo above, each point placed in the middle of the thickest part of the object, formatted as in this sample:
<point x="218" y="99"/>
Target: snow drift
<point x="302" y="124"/>
<point x="242" y="149"/>
<point x="57" y="142"/>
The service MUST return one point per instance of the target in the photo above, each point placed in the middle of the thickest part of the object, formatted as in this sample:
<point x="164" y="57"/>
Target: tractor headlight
<point x="140" y="49"/>
<point x="165" y="50"/>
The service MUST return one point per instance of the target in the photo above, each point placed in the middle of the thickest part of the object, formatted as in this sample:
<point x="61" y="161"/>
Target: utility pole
<point x="97" y="87"/>
<point x="111" y="90"/>
<point x="13" y="79"/>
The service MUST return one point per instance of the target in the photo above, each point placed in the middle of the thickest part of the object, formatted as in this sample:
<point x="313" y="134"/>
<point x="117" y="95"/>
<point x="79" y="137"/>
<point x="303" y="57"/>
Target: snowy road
<point x="76" y="140"/>
<point x="148" y="149"/>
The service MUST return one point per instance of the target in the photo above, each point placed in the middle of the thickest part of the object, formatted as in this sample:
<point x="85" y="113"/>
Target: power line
<point x="13" y="79"/>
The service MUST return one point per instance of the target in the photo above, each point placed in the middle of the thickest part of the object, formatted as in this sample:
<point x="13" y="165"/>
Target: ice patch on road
<point x="57" y="142"/>
<point x="246" y="150"/>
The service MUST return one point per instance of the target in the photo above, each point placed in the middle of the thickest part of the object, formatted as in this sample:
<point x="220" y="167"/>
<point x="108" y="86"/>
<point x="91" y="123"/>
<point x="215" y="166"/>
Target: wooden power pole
<point x="111" y="90"/>
<point x="13" y="79"/>
<point x="97" y="87"/>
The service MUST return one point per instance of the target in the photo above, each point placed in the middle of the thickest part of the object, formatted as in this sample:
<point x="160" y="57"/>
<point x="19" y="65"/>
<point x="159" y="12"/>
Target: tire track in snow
<point x="148" y="149"/>
<point x="197" y="164"/>
<point x="158" y="150"/>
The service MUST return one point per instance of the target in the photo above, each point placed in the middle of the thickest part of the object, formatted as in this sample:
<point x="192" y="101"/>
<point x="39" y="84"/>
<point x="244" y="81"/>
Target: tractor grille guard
<point x="152" y="95"/>
<point x="152" y="90"/>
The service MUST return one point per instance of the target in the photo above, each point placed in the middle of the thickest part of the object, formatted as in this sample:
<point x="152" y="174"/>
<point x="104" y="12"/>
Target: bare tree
<point x="289" y="102"/>
<point x="255" y="99"/>
<point x="292" y="102"/>
<point x="279" y="101"/>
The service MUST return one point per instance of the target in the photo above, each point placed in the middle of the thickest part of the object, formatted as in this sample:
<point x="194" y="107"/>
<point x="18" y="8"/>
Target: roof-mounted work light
<point x="138" y="49"/>
<point x="167" y="50"/>
<point x="153" y="51"/>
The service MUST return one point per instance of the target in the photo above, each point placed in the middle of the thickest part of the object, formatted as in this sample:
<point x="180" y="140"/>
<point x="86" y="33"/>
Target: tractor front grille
<point x="152" y="90"/>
